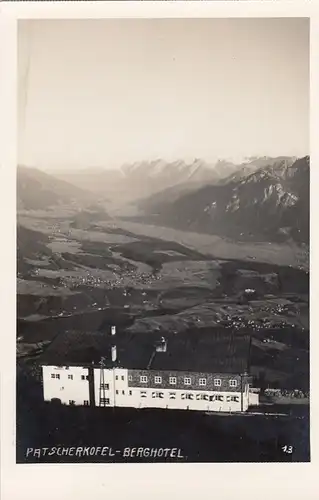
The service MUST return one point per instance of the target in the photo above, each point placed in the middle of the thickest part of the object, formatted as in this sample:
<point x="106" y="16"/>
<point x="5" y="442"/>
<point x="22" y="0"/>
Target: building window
<point x="57" y="375"/>
<point x="233" y="383"/>
<point x="234" y="399"/>
<point x="123" y="392"/>
<point x="116" y="392"/>
<point x="86" y="403"/>
<point x="105" y="386"/>
<point x="104" y="401"/>
<point x="84" y="377"/>
<point x="122" y="377"/>
<point x="71" y="402"/>
<point x="143" y="378"/>
<point x="70" y="377"/>
<point x="158" y="395"/>
<point x="172" y="380"/>
<point x="202" y="381"/>
<point x="143" y="394"/>
<point x="52" y="375"/>
<point x="158" y="380"/>
<point x="187" y="381"/>
<point x="217" y="382"/>
<point x="130" y="393"/>
<point x="116" y="377"/>
<point x="130" y="378"/>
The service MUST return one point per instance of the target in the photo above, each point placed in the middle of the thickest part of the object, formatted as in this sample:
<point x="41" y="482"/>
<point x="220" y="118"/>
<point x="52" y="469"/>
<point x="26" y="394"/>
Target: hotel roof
<point x="203" y="350"/>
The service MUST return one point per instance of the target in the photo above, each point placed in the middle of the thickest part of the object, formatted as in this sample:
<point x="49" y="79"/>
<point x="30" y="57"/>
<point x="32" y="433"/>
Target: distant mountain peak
<point x="257" y="202"/>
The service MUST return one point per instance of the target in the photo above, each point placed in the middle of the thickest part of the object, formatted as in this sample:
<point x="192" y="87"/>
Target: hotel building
<point x="198" y="370"/>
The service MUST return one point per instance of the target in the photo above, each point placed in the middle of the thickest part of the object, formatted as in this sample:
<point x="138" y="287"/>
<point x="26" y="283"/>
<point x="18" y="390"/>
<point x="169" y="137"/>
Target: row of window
<point x="157" y="380"/>
<point x="107" y="386"/>
<point x="172" y="395"/>
<point x="72" y="402"/>
<point x="117" y="393"/>
<point x="70" y="377"/>
<point x="192" y="397"/>
<point x="187" y="381"/>
<point x="83" y="377"/>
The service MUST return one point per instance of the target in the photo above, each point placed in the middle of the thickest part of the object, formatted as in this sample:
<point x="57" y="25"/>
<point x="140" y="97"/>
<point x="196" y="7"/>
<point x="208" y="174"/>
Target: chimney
<point x="113" y="330"/>
<point x="161" y="345"/>
<point x="114" y="353"/>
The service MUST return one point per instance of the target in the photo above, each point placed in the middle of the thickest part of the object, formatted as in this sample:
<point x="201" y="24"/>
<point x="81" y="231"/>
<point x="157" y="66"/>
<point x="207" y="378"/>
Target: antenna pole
<point x="102" y="384"/>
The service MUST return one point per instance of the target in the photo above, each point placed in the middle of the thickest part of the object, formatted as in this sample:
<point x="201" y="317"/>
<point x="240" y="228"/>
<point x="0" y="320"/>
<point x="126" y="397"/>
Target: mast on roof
<point x="114" y="353"/>
<point x="102" y="400"/>
<point x="113" y="349"/>
<point x="161" y="346"/>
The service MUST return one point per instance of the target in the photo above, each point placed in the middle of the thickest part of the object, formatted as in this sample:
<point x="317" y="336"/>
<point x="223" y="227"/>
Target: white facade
<point x="107" y="378"/>
<point x="187" y="400"/>
<point x="254" y="397"/>
<point x="111" y="388"/>
<point x="70" y="384"/>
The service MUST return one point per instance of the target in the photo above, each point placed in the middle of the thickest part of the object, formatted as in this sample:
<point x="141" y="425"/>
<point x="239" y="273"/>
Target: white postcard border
<point x="130" y="481"/>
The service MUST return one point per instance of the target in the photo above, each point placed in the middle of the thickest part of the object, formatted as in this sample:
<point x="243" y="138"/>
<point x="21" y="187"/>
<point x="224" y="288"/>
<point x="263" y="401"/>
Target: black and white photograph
<point x="163" y="240"/>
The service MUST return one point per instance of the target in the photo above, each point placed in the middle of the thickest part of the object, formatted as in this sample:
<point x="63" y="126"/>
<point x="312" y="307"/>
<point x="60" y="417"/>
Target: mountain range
<point x="270" y="202"/>
<point x="223" y="173"/>
<point x="262" y="198"/>
<point x="142" y="179"/>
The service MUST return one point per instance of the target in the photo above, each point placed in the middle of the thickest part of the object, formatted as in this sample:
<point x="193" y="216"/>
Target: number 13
<point x="287" y="449"/>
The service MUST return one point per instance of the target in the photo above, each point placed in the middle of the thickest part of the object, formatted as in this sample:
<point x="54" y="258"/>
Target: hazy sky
<point x="100" y="93"/>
